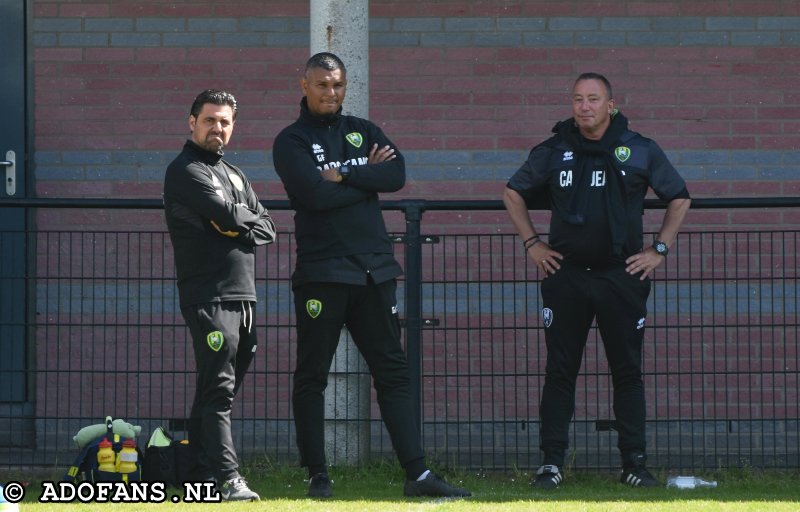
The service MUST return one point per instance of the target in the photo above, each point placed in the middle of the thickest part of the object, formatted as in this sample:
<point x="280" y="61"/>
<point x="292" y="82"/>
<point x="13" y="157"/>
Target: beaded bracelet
<point x="525" y="242"/>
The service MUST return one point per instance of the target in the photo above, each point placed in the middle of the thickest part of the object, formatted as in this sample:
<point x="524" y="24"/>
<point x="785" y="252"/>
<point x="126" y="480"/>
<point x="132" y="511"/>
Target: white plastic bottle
<point x="689" y="482"/>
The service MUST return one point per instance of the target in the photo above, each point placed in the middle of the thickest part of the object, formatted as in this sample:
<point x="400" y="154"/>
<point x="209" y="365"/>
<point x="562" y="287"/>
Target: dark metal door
<point x="13" y="240"/>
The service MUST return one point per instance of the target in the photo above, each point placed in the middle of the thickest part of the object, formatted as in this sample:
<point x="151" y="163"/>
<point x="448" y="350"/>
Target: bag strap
<point x="72" y="473"/>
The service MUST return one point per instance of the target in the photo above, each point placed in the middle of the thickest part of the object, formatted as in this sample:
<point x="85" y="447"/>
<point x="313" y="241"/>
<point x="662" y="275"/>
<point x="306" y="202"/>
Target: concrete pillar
<point x="342" y="27"/>
<point x="347" y="405"/>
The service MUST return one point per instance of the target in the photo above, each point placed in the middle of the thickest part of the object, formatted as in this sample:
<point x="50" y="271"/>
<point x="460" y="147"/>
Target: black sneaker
<point x="319" y="486"/>
<point x="433" y="486"/>
<point x="548" y="477"/>
<point x="638" y="477"/>
<point x="634" y="472"/>
<point x="236" y="489"/>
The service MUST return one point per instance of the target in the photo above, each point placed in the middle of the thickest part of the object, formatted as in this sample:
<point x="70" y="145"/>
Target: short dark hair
<point x="325" y="60"/>
<point x="215" y="97"/>
<point x="597" y="76"/>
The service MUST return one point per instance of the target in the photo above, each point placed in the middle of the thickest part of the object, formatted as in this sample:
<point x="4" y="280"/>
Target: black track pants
<point x="224" y="340"/>
<point x="370" y="314"/>
<point x="572" y="298"/>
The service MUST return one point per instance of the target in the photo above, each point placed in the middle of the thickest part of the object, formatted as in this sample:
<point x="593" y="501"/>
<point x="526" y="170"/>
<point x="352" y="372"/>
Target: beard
<point x="214" y="143"/>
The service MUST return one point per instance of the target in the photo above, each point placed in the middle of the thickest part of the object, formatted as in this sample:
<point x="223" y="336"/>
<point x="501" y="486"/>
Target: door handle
<point x="10" y="163"/>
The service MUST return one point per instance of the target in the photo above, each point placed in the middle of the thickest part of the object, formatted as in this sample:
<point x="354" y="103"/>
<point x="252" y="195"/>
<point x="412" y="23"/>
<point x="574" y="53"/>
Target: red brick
<point x="653" y="9"/>
<point x="47" y="95"/>
<point x="518" y="142"/>
<point x="84" y="98"/>
<point x="758" y="69"/>
<point x="413" y="54"/>
<point x="756" y="8"/>
<point x="85" y="69"/>
<point x="732" y="143"/>
<point x="266" y="9"/>
<point x="573" y="54"/>
<point x="710" y="189"/>
<point x="703" y="126"/>
<point x="521" y="55"/>
<point x="133" y="10"/>
<point x="161" y="54"/>
<point x="491" y="98"/>
<point x="757" y="97"/>
<point x="649" y="69"/>
<point x="779" y="112"/>
<point x="138" y="70"/>
<point x="57" y="55"/>
<point x="61" y="142"/>
<point x="45" y="10"/>
<point x="45" y="128"/>
<point x="755" y="127"/>
<point x="742" y="217"/>
<point x="103" y="84"/>
<point x="474" y="143"/>
<point x="83" y="10"/>
<point x="779" y="143"/>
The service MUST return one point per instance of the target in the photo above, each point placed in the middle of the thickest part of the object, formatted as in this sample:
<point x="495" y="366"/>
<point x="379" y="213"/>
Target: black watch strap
<point x="661" y="247"/>
<point x="344" y="172"/>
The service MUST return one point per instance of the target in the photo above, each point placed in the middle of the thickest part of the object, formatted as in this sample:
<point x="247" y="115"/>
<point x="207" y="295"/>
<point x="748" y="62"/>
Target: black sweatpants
<point x="572" y="298"/>
<point x="224" y="340"/>
<point x="370" y="314"/>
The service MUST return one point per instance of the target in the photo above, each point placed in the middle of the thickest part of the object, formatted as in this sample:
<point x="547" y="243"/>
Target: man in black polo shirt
<point x="595" y="173"/>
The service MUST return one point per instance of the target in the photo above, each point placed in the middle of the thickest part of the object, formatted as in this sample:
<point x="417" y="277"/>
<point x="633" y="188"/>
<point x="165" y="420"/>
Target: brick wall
<point x="464" y="88"/>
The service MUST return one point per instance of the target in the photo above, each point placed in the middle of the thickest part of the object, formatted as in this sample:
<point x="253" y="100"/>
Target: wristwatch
<point x="344" y="172"/>
<point x="661" y="247"/>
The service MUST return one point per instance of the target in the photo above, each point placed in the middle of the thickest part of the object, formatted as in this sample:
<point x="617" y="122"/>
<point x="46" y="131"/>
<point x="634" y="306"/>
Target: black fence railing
<point x="91" y="326"/>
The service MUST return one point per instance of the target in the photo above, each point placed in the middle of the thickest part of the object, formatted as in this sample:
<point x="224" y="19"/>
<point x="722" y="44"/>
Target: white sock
<point x="424" y="475"/>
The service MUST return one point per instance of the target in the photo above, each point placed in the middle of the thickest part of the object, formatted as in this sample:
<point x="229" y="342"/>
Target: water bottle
<point x="105" y="456"/>
<point x="127" y="458"/>
<point x="689" y="482"/>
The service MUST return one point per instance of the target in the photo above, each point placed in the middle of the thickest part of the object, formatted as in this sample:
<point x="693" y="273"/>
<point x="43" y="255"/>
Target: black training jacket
<point x="334" y="221"/>
<point x="199" y="186"/>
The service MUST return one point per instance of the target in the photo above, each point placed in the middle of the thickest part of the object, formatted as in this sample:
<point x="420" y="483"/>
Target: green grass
<point x="379" y="488"/>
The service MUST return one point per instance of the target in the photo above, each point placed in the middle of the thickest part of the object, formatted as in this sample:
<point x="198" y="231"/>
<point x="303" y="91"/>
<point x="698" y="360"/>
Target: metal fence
<point x="103" y="335"/>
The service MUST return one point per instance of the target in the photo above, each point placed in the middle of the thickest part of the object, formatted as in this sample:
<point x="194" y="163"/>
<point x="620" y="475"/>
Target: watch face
<point x="661" y="247"/>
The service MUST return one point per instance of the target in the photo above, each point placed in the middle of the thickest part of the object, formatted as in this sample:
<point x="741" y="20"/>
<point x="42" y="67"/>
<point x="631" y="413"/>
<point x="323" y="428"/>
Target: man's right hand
<point x="331" y="174"/>
<point x="545" y="258"/>
<point x="231" y="234"/>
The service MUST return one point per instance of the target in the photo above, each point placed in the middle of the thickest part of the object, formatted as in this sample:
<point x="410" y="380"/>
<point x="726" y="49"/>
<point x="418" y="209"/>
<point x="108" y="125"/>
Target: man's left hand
<point x="378" y="155"/>
<point x="644" y="262"/>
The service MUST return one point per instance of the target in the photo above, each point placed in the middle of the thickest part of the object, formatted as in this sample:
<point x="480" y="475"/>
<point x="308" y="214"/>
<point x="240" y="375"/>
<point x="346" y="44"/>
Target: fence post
<point x="413" y="256"/>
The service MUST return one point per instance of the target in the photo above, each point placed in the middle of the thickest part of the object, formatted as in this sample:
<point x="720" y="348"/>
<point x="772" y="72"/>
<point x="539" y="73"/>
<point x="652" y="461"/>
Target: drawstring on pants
<point x="247" y="307"/>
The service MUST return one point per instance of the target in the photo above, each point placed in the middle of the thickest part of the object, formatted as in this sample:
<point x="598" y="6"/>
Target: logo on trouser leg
<point x="547" y="316"/>
<point x="313" y="308"/>
<point x="215" y="340"/>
